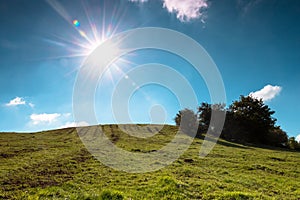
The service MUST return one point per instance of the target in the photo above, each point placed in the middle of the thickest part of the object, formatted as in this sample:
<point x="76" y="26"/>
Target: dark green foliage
<point x="253" y="118"/>
<point x="205" y="113"/>
<point x="187" y="121"/>
<point x="247" y="120"/>
<point x="277" y="137"/>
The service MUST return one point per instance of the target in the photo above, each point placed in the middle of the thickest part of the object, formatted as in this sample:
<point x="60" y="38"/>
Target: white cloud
<point x="47" y="121"/>
<point x="66" y="115"/>
<point x="44" y="118"/>
<point x="74" y="124"/>
<point x="31" y="105"/>
<point x="267" y="93"/>
<point x="16" y="101"/>
<point x="186" y="10"/>
<point x="298" y="138"/>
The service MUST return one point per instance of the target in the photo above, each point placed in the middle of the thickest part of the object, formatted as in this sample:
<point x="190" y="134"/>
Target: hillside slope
<point x="56" y="165"/>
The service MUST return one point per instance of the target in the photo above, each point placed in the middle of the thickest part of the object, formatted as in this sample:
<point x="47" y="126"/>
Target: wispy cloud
<point x="44" y="118"/>
<point x="19" y="101"/>
<point x="44" y="121"/>
<point x="16" y="101"/>
<point x="31" y="105"/>
<point x="185" y="10"/>
<point x="74" y="124"/>
<point x="267" y="93"/>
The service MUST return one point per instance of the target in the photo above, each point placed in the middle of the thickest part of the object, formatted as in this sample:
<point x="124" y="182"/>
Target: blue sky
<point x="255" y="44"/>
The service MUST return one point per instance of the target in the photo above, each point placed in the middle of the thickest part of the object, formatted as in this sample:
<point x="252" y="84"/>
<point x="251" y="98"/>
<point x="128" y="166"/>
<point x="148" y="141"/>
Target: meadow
<point x="56" y="165"/>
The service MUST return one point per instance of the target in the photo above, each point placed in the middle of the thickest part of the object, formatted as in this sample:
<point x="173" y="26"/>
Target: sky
<point x="254" y="43"/>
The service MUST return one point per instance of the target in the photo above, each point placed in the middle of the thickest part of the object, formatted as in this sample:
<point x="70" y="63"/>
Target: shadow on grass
<point x="230" y="144"/>
<point x="224" y="142"/>
<point x="246" y="145"/>
<point x="274" y="148"/>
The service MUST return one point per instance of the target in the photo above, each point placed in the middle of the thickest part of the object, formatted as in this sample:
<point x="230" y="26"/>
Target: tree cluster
<point x="293" y="144"/>
<point x="248" y="120"/>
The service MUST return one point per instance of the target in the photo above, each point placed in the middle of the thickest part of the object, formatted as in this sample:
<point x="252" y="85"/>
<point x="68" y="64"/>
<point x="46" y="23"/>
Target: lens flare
<point x="94" y="30"/>
<point x="76" y="23"/>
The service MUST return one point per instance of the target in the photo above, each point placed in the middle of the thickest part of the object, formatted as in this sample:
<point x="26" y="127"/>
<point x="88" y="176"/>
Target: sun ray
<point x="93" y="29"/>
<point x="91" y="22"/>
<point x="75" y="41"/>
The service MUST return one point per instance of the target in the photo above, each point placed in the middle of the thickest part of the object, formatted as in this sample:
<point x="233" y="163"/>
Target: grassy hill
<point x="56" y="165"/>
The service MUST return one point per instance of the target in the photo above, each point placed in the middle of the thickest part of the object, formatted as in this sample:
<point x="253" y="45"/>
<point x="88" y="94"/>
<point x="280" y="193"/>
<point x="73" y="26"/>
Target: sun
<point x="91" y="35"/>
<point x="94" y="39"/>
<point x="90" y="29"/>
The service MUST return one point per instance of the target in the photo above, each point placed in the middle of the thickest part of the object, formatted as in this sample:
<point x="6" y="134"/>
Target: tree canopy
<point x="187" y="120"/>
<point x="247" y="120"/>
<point x="253" y="119"/>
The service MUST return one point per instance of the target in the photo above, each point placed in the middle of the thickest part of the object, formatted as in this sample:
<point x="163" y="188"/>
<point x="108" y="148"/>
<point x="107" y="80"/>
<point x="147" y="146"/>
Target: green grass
<point x="56" y="165"/>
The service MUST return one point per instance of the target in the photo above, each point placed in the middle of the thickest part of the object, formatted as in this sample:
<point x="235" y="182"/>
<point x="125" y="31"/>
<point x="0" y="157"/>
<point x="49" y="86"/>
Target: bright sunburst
<point x="91" y="31"/>
<point x="89" y="44"/>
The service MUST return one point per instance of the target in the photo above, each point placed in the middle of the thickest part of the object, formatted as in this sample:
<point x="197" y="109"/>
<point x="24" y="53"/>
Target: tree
<point x="204" y="112"/>
<point x="252" y="119"/>
<point x="187" y="120"/>
<point x="277" y="137"/>
<point x="232" y="128"/>
<point x="247" y="120"/>
<point x="293" y="144"/>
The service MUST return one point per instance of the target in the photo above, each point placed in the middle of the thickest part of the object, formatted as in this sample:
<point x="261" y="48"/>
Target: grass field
<point x="56" y="165"/>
